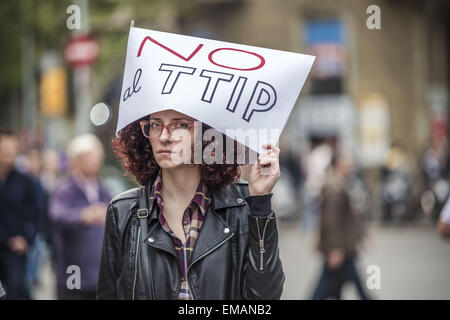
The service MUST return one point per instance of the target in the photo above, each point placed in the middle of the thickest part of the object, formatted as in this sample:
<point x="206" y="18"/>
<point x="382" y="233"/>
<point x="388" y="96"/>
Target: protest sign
<point x="245" y="92"/>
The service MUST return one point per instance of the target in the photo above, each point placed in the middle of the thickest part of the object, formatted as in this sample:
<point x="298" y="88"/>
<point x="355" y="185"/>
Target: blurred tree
<point x="44" y="23"/>
<point x="22" y="22"/>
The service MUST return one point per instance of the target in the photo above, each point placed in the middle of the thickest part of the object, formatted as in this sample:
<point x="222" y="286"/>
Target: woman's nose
<point x="165" y="135"/>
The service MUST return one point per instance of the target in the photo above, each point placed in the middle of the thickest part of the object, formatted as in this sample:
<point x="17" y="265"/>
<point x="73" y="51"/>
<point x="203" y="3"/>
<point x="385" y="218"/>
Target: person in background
<point x="340" y="233"/>
<point x="51" y="175"/>
<point x="316" y="163"/>
<point x="33" y="166"/>
<point x="19" y="212"/>
<point x="51" y="169"/>
<point x="443" y="225"/>
<point x="2" y="292"/>
<point x="78" y="209"/>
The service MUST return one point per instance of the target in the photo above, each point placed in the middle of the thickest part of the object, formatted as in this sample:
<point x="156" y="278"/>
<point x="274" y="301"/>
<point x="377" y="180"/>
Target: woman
<point x="193" y="232"/>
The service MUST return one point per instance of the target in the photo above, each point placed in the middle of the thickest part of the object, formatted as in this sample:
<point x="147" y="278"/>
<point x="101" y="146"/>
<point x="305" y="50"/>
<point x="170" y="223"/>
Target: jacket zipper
<point x="136" y="260"/>
<point x="198" y="258"/>
<point x="261" y="243"/>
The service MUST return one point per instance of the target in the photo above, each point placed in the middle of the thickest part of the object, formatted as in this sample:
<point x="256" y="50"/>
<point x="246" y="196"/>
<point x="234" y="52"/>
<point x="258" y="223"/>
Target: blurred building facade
<point x="369" y="88"/>
<point x="401" y="69"/>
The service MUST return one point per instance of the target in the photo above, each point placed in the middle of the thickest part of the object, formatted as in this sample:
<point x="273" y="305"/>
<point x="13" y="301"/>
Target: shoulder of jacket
<point x="127" y="195"/>
<point x="242" y="186"/>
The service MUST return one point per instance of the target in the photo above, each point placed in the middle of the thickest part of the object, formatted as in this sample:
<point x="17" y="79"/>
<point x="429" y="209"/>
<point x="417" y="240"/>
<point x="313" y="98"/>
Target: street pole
<point x="82" y="78"/>
<point x="29" y="106"/>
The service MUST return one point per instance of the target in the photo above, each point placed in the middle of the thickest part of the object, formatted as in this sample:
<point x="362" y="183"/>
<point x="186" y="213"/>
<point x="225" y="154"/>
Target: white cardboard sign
<point x="225" y="85"/>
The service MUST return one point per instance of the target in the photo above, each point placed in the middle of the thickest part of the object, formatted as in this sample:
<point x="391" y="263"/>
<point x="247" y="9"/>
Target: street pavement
<point x="414" y="263"/>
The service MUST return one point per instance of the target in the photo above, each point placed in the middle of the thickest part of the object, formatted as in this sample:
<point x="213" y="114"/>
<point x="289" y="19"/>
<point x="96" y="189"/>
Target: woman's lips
<point x="165" y="152"/>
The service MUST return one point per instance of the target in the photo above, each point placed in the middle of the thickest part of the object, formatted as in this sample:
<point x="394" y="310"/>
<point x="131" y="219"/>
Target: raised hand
<point x="265" y="173"/>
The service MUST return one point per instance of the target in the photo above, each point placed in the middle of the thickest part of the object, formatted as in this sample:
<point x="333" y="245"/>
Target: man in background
<point x="443" y="225"/>
<point x="78" y="210"/>
<point x="340" y="233"/>
<point x="19" y="212"/>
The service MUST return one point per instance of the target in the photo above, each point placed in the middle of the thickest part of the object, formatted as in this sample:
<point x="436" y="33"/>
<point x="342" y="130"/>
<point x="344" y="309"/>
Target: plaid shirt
<point x="193" y="218"/>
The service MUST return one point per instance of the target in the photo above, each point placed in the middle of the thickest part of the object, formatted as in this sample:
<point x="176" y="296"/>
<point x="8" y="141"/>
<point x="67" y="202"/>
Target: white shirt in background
<point x="445" y="213"/>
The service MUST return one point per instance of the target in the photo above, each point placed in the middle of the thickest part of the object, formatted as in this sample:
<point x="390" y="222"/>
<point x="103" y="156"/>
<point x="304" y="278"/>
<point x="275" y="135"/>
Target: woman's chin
<point x="170" y="164"/>
<point x="167" y="164"/>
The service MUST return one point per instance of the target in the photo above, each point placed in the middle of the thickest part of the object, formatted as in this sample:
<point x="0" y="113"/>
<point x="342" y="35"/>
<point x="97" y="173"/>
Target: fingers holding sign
<point x="265" y="173"/>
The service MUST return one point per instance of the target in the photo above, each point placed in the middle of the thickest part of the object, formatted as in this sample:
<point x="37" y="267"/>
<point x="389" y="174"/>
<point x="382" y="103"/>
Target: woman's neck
<point x="180" y="184"/>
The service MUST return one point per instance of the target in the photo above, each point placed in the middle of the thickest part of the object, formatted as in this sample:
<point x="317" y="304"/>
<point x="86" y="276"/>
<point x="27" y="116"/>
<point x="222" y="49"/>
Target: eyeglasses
<point x="153" y="129"/>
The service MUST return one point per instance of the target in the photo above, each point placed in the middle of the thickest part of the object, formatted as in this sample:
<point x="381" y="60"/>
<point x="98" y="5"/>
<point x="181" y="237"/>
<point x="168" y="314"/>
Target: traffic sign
<point x="82" y="51"/>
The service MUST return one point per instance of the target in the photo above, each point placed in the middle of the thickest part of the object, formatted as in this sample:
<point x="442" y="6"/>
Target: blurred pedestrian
<point x="2" y="292"/>
<point x="19" y="213"/>
<point x="33" y="166"/>
<point x="77" y="209"/>
<point x="316" y="163"/>
<point x="290" y="163"/>
<point x="444" y="221"/>
<point x="51" y="170"/>
<point x="435" y="178"/>
<point x="340" y="233"/>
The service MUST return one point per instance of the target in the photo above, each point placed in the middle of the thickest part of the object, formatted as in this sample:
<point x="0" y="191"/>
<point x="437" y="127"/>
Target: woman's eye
<point x="183" y="125"/>
<point x="154" y="125"/>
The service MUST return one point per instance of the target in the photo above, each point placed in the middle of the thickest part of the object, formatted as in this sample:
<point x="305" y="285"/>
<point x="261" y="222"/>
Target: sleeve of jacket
<point x="263" y="272"/>
<point x="106" y="288"/>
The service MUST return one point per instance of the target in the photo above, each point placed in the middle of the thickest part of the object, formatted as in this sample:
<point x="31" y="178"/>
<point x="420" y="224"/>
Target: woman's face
<point x="176" y="133"/>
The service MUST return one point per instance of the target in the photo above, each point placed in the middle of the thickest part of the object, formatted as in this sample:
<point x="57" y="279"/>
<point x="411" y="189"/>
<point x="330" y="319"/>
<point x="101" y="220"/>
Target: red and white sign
<point x="229" y="86"/>
<point x="82" y="51"/>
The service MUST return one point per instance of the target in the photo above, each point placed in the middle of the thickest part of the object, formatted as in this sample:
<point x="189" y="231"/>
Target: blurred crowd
<point x="54" y="206"/>
<point x="326" y="189"/>
<point x="405" y="189"/>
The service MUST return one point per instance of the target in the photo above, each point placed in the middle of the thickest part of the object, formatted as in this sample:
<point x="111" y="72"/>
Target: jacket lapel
<point x="213" y="232"/>
<point x="157" y="237"/>
<point x="214" y="229"/>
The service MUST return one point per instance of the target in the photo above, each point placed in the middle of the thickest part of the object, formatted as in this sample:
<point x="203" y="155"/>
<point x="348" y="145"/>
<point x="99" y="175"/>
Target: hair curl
<point x="134" y="151"/>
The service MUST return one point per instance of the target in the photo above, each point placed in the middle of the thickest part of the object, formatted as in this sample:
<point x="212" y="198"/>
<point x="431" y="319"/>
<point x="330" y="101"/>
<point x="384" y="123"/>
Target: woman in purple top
<point x="77" y="210"/>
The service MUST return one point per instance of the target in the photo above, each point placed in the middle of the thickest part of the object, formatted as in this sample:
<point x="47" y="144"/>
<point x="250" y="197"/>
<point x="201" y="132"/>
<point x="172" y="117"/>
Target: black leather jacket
<point x="236" y="255"/>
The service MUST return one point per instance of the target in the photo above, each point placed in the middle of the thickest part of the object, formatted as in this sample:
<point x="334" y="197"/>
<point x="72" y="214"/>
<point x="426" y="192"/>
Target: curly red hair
<point x="135" y="152"/>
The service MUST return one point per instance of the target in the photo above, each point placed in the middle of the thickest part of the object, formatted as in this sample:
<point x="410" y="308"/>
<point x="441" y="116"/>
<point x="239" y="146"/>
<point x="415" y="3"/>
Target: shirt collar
<point x="201" y="197"/>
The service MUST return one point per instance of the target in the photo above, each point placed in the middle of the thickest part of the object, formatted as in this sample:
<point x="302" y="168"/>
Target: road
<point x="414" y="263"/>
